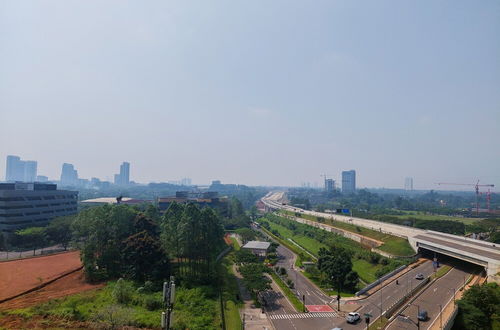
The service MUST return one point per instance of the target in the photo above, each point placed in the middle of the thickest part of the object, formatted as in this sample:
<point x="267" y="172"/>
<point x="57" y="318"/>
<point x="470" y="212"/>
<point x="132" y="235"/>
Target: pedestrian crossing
<point x="301" y="315"/>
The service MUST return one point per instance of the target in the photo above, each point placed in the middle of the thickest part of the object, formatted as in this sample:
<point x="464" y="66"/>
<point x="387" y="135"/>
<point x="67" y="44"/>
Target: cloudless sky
<point x="254" y="92"/>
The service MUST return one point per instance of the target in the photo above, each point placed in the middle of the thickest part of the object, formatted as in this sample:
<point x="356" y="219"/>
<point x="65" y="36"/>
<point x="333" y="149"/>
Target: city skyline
<point x="179" y="89"/>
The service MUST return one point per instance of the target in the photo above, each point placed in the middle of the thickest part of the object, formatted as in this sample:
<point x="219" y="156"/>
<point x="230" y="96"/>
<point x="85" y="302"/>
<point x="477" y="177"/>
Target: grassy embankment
<point x="424" y="216"/>
<point x="366" y="270"/>
<point x="392" y="244"/>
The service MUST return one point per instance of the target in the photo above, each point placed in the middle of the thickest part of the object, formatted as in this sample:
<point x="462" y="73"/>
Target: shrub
<point x="152" y="303"/>
<point x="123" y="292"/>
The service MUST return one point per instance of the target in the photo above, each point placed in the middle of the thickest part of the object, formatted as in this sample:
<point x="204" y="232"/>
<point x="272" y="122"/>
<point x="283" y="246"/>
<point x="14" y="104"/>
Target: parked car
<point x="352" y="317"/>
<point x="422" y="315"/>
<point x="419" y="276"/>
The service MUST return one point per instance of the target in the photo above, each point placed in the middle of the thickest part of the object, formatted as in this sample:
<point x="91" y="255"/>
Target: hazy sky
<point x="254" y="92"/>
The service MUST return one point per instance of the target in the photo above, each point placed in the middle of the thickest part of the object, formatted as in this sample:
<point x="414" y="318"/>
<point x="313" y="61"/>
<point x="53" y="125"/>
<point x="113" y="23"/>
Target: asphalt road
<point x="438" y="293"/>
<point x="389" y="294"/>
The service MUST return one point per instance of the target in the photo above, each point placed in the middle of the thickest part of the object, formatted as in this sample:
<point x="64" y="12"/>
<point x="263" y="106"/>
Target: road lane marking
<point x="302" y="316"/>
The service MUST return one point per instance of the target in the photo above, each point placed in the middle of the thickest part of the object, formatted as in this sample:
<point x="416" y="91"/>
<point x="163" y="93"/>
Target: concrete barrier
<point x="400" y="302"/>
<point x="380" y="280"/>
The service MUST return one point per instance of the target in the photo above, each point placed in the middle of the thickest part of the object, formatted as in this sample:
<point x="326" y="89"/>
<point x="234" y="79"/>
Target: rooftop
<point x="257" y="245"/>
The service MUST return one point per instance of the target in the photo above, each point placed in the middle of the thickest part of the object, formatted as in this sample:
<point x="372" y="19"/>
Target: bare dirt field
<point x="70" y="284"/>
<point x="18" y="276"/>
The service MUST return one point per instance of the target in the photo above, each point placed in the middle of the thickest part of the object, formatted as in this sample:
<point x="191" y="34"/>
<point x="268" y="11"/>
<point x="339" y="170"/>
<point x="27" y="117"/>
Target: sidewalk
<point x="252" y="318"/>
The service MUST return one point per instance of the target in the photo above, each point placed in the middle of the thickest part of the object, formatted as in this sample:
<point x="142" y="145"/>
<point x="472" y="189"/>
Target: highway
<point x="438" y="293"/>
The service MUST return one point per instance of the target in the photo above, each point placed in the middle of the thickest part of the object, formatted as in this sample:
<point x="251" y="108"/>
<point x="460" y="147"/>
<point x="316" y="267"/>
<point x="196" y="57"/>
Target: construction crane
<point x="476" y="186"/>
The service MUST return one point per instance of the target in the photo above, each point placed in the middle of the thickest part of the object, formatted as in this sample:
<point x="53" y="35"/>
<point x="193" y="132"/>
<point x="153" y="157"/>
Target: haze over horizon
<point x="257" y="93"/>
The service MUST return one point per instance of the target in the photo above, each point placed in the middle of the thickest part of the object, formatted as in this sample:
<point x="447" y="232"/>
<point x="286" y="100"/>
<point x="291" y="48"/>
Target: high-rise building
<point x="20" y="170"/>
<point x="125" y="173"/>
<point x="349" y="181"/>
<point x="123" y="178"/>
<point x="12" y="170"/>
<point x="329" y="185"/>
<point x="408" y="183"/>
<point x="30" y="167"/>
<point x="69" y="176"/>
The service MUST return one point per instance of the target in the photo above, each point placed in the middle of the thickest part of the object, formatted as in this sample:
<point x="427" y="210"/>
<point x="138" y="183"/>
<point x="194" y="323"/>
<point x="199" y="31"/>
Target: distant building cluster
<point x="20" y="170"/>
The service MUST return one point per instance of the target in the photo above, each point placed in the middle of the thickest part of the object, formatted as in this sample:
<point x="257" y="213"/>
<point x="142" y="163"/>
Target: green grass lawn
<point x="297" y="304"/>
<point x="423" y="216"/>
<point x="392" y="244"/>
<point x="397" y="246"/>
<point x="365" y="270"/>
<point x="230" y="292"/>
<point x="236" y="245"/>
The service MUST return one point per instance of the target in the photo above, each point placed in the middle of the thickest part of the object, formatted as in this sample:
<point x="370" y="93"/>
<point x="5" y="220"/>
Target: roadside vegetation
<point x="479" y="308"/>
<point x="439" y="211"/>
<point x="392" y="244"/>
<point x="367" y="265"/>
<point x="134" y="250"/>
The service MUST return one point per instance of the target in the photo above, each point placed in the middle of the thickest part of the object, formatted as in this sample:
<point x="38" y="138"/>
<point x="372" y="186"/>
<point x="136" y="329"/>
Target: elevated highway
<point x="477" y="252"/>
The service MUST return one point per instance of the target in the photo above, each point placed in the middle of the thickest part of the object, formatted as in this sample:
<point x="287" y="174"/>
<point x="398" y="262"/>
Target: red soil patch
<point x="70" y="284"/>
<point x="18" y="276"/>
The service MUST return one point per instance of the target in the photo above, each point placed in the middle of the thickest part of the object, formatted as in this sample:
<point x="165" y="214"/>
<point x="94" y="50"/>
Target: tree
<point x="33" y="237"/>
<point x="336" y="264"/>
<point x="253" y="277"/>
<point x="100" y="233"/>
<point x="246" y="234"/>
<point x="59" y="231"/>
<point x="143" y="255"/>
<point x="479" y="307"/>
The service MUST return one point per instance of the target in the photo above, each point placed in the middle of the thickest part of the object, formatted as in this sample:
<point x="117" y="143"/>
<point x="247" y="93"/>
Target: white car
<point x="419" y="276"/>
<point x="352" y="317"/>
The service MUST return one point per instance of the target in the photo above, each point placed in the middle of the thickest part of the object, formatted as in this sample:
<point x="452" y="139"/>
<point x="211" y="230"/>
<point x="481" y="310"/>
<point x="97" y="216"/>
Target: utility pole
<point x="168" y="300"/>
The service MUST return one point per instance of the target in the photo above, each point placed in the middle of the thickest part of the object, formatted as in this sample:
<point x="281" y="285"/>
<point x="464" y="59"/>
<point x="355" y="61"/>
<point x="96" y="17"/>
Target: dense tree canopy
<point x="479" y="308"/>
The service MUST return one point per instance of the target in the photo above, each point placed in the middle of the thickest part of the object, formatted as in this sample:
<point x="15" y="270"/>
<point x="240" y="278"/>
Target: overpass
<point x="478" y="252"/>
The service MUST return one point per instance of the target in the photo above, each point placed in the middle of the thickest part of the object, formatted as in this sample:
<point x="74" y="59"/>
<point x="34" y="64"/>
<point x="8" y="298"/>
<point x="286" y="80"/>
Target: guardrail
<point x="380" y="280"/>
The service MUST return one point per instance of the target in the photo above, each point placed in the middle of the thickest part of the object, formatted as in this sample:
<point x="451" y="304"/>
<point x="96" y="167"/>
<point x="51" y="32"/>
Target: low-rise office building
<point x="25" y="205"/>
<point x="257" y="247"/>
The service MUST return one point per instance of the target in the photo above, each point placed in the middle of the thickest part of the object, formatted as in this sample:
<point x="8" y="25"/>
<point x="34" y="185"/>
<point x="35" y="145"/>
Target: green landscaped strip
<point x="230" y="292"/>
<point x="397" y="246"/>
<point x="289" y="245"/>
<point x="443" y="270"/>
<point x="328" y="292"/>
<point x="297" y="304"/>
<point x="423" y="216"/>
<point x="392" y="244"/>
<point x="236" y="245"/>
<point x="365" y="270"/>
